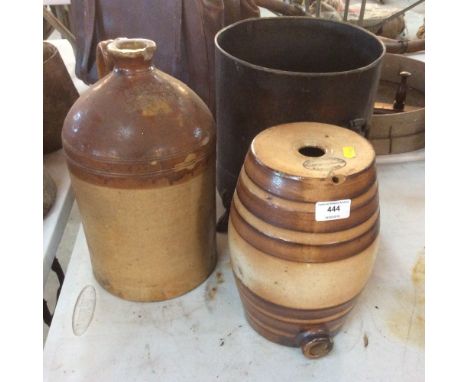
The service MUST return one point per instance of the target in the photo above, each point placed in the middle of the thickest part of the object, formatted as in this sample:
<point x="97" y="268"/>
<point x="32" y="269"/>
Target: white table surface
<point x="203" y="336"/>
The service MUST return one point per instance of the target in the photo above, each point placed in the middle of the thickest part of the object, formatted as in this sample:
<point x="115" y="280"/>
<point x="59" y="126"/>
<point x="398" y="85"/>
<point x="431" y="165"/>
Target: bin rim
<point x="294" y="73"/>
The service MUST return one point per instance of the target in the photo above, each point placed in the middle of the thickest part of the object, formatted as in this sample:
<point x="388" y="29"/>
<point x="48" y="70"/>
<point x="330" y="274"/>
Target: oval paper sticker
<point x="84" y="310"/>
<point x="325" y="164"/>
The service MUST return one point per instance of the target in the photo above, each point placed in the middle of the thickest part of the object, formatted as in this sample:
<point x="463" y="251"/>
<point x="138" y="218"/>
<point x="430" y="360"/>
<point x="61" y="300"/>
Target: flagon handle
<point x="104" y="60"/>
<point x="123" y="52"/>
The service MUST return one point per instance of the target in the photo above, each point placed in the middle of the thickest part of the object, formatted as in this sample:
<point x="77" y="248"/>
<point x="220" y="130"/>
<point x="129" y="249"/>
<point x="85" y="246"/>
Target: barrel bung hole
<point x="312" y="151"/>
<point x="317" y="348"/>
<point x="338" y="179"/>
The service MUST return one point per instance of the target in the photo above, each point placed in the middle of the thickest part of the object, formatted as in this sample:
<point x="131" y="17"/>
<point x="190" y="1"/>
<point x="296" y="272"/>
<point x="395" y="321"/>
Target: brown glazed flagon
<point x="299" y="275"/>
<point x="140" y="148"/>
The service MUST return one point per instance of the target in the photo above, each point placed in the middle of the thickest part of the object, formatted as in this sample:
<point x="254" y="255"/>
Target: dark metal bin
<point x="271" y="71"/>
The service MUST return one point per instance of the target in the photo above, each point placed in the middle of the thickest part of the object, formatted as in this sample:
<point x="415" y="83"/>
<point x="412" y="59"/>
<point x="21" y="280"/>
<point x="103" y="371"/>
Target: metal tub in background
<point x="271" y="71"/>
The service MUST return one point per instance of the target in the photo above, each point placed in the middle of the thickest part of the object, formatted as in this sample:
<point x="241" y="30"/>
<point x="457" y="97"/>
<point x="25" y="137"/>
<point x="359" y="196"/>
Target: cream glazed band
<point x="300" y="285"/>
<point x="134" y="250"/>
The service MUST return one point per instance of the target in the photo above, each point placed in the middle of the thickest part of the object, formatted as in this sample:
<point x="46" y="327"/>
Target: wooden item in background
<point x="395" y="132"/>
<point x="375" y="20"/>
<point x="49" y="192"/>
<point x="140" y="148"/>
<point x="59" y="95"/>
<point x="298" y="278"/>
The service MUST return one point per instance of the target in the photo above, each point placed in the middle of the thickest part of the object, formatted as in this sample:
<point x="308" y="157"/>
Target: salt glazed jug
<point x="140" y="148"/>
<point x="303" y="231"/>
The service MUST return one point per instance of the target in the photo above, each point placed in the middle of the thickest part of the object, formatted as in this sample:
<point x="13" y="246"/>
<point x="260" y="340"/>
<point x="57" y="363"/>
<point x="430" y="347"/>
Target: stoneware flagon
<point x="303" y="231"/>
<point x="140" y="148"/>
<point x="271" y="71"/>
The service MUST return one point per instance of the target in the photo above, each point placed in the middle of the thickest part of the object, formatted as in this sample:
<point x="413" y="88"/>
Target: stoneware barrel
<point x="303" y="231"/>
<point x="140" y="148"/>
<point x="271" y="71"/>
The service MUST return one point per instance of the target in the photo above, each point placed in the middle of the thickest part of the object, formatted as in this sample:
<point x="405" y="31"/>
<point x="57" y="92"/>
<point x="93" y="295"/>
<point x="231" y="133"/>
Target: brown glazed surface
<point x="280" y="324"/>
<point x="140" y="146"/>
<point x="290" y="248"/>
<point x="300" y="216"/>
<point x="298" y="278"/>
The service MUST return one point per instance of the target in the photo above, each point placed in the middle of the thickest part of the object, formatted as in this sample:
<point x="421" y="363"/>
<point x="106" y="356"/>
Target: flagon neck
<point x="131" y="55"/>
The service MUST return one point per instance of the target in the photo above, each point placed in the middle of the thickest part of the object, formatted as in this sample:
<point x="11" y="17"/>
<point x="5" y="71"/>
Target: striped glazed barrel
<point x="303" y="231"/>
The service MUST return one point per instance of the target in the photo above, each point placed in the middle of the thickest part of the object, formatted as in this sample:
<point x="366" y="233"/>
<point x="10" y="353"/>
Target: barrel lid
<point x="310" y="161"/>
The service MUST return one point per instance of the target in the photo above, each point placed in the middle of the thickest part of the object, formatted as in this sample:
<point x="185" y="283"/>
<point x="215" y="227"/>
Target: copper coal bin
<point x="271" y="71"/>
